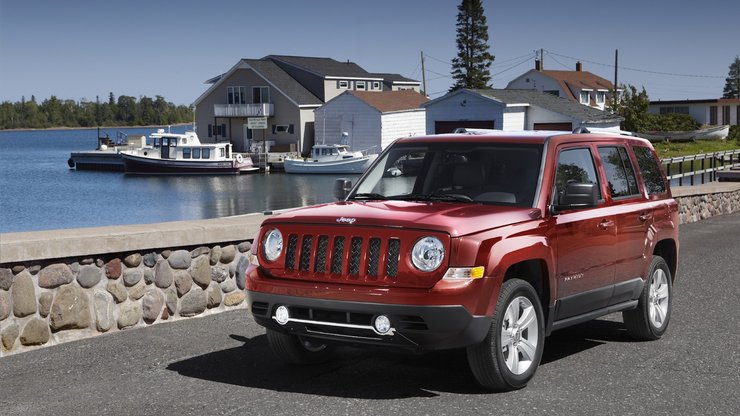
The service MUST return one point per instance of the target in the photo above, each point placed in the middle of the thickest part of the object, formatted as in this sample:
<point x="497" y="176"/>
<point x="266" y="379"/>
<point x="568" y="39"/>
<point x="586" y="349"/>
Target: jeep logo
<point x="346" y="220"/>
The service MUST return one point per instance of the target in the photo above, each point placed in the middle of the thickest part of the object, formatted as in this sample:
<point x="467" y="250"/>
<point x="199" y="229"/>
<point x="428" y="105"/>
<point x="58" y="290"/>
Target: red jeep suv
<point x="485" y="241"/>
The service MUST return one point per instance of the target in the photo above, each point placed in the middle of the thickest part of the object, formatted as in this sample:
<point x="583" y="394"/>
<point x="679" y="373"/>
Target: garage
<point x="554" y="126"/>
<point x="441" y="127"/>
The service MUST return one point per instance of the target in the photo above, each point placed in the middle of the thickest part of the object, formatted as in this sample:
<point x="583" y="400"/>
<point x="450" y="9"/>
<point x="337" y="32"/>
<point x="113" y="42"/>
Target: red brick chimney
<point x="579" y="66"/>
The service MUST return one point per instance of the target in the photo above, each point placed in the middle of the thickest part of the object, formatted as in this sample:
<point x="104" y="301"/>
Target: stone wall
<point x="47" y="302"/>
<point x="700" y="202"/>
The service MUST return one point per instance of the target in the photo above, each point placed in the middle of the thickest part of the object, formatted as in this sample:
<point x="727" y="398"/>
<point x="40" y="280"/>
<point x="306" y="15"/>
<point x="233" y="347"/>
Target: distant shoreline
<point x="100" y="127"/>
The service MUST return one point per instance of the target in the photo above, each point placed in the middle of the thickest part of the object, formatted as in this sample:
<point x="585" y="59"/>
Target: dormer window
<point x="585" y="97"/>
<point x="343" y="85"/>
<point x="600" y="97"/>
<point x="359" y="85"/>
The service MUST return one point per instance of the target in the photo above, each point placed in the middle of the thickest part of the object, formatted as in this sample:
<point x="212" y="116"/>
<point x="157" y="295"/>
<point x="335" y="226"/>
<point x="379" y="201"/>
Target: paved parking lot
<point x="221" y="364"/>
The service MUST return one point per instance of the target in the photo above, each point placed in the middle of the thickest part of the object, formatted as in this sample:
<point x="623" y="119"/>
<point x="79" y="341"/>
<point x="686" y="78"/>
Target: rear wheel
<point x="298" y="350"/>
<point x="509" y="355"/>
<point x="649" y="320"/>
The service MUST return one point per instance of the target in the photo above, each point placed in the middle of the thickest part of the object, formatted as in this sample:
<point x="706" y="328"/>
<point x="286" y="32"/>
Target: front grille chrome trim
<point x="391" y="332"/>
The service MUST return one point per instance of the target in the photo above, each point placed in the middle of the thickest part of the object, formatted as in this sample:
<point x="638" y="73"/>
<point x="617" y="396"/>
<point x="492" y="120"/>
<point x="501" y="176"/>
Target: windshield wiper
<point x="368" y="195"/>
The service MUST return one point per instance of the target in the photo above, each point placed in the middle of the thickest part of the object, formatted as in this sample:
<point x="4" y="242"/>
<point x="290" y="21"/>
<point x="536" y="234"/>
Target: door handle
<point x="605" y="224"/>
<point x="645" y="216"/>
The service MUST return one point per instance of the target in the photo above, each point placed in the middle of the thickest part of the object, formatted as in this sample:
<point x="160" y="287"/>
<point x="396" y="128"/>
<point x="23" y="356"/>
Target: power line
<point x="511" y="67"/>
<point x="635" y="69"/>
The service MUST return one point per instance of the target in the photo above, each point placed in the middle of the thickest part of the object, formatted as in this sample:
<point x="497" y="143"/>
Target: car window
<point x="620" y="174"/>
<point x="650" y="170"/>
<point x="575" y="165"/>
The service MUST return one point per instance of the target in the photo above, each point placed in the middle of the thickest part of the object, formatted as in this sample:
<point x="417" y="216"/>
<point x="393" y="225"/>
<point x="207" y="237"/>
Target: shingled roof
<point x="579" y="80"/>
<point x="325" y="67"/>
<point x="388" y="101"/>
<point x="549" y="102"/>
<point x="283" y="81"/>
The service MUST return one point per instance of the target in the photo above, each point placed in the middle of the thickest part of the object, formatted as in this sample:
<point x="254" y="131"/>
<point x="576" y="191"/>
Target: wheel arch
<point x="536" y="273"/>
<point x="668" y="250"/>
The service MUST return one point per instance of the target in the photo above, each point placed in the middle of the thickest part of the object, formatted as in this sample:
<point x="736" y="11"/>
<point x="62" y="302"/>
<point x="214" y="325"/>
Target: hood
<point x="456" y="219"/>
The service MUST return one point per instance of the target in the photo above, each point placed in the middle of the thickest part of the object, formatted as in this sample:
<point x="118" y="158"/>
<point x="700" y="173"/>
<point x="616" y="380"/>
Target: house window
<point x="236" y="95"/>
<point x="260" y="95"/>
<point x="217" y="130"/>
<point x="600" y="97"/>
<point x="343" y="85"/>
<point x="282" y="128"/>
<point x="713" y="115"/>
<point x="186" y="153"/>
<point x="376" y="85"/>
<point x="725" y="114"/>
<point x="359" y="85"/>
<point x="584" y="97"/>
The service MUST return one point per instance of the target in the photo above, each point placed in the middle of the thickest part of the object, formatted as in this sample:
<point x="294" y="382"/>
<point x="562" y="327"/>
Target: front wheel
<point x="649" y="320"/>
<point x="298" y="350"/>
<point x="509" y="355"/>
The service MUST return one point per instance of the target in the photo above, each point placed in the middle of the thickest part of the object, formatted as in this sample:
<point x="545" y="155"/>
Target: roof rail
<point x="581" y="130"/>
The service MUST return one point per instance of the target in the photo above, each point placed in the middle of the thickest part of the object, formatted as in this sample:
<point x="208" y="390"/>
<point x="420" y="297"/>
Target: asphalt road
<point x="221" y="364"/>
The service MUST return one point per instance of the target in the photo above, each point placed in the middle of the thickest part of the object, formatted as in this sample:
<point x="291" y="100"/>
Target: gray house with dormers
<point x="284" y="89"/>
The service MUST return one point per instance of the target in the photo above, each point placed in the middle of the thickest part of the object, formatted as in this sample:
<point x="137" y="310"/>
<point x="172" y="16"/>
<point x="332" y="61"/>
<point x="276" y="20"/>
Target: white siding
<point x="465" y="107"/>
<point x="534" y="80"/>
<point x="348" y="113"/>
<point x="402" y="124"/>
<point x="514" y="118"/>
<point x="541" y="115"/>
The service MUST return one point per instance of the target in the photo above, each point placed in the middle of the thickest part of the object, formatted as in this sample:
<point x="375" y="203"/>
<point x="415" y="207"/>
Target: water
<point x="38" y="191"/>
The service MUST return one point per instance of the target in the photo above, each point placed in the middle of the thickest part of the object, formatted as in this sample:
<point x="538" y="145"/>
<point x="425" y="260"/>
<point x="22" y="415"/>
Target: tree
<point x="732" y="82"/>
<point x="633" y="106"/>
<point x="470" y="69"/>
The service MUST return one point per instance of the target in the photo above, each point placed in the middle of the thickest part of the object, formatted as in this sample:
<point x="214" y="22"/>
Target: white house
<point x="712" y="112"/>
<point x="372" y="120"/>
<point x="512" y="110"/>
<point x="578" y="86"/>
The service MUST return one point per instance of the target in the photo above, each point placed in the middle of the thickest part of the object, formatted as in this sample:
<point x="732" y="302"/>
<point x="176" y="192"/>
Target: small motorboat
<point x="107" y="155"/>
<point x="330" y="158"/>
<point x="184" y="154"/>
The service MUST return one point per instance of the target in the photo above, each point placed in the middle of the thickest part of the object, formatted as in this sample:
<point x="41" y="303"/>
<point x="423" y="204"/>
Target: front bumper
<point x="414" y="327"/>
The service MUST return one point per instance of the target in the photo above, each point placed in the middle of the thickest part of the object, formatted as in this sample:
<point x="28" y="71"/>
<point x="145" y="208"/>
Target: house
<point x="512" y="110"/>
<point x="284" y="89"/>
<point x="372" y="120"/>
<point x="578" y="86"/>
<point x="712" y="112"/>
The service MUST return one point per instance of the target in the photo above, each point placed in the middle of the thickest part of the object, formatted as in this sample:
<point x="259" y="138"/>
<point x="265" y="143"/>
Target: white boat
<point x="184" y="154"/>
<point x="708" y="133"/>
<point x="330" y="158"/>
<point x="107" y="155"/>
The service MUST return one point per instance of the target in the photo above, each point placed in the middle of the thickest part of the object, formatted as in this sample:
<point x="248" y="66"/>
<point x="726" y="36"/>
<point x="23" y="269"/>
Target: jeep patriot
<point x="486" y="241"/>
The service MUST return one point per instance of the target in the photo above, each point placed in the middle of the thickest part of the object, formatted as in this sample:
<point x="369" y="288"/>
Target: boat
<point x="107" y="155"/>
<point x="707" y="133"/>
<point x="330" y="158"/>
<point x="184" y="154"/>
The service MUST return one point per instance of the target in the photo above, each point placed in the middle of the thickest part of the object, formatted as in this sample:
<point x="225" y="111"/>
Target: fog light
<point x="382" y="324"/>
<point x="281" y="315"/>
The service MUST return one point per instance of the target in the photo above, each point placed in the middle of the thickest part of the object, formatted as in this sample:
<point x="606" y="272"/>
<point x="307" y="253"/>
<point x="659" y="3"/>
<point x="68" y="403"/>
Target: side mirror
<point x="342" y="186"/>
<point x="579" y="195"/>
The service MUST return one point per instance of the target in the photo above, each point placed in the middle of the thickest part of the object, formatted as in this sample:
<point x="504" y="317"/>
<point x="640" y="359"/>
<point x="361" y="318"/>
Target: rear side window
<point x="575" y="165"/>
<point x="619" y="171"/>
<point x="650" y="170"/>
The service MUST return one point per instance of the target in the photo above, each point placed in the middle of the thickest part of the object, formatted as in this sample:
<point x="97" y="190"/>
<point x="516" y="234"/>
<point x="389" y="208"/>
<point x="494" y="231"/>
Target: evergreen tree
<point x="732" y="82"/>
<point x="470" y="69"/>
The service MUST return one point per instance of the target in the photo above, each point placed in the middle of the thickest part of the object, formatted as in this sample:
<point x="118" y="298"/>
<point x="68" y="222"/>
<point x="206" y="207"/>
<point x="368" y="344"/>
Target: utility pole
<point x="542" y="59"/>
<point x="423" y="75"/>
<point x="616" y="65"/>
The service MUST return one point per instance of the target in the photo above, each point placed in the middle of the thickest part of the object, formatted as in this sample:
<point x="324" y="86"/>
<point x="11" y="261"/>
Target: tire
<point x="297" y="350"/>
<point x="649" y="320"/>
<point x="509" y="355"/>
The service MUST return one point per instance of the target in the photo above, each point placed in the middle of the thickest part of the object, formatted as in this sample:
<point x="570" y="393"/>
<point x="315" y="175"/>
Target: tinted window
<point x="186" y="153"/>
<point x="206" y="153"/>
<point x="650" y="170"/>
<point x="575" y="165"/>
<point x="619" y="172"/>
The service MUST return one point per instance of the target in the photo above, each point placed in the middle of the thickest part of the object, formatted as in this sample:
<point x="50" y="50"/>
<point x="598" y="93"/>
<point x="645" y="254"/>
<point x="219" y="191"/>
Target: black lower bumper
<point x="418" y="328"/>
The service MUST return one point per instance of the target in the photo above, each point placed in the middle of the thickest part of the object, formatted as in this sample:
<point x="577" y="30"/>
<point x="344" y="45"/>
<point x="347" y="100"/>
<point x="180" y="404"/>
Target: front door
<point x="164" y="151"/>
<point x="585" y="240"/>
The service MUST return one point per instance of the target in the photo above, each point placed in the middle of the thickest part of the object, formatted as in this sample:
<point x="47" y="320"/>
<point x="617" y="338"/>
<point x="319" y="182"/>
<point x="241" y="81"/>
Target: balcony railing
<point x="243" y="110"/>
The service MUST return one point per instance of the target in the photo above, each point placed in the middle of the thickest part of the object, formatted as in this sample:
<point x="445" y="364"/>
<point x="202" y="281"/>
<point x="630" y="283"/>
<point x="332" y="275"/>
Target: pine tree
<point x="732" y="82"/>
<point x="470" y="69"/>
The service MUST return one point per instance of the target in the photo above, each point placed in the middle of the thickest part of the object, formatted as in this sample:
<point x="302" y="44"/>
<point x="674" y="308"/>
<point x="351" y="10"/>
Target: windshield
<point x="487" y="173"/>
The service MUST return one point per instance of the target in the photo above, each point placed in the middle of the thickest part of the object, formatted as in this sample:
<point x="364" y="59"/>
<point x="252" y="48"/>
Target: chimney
<point x="579" y="66"/>
<point x="537" y="65"/>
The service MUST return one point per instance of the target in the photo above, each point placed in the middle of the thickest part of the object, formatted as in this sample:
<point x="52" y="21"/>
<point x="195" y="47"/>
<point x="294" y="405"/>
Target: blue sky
<point x="85" y="48"/>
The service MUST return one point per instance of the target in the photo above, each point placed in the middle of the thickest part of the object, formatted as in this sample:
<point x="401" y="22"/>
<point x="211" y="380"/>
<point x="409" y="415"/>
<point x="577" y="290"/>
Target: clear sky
<point x="81" y="49"/>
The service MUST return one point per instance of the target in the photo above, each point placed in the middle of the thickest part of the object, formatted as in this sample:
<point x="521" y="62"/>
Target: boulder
<point x="104" y="306"/>
<point x="55" y="275"/>
<point x="201" y="272"/>
<point x="151" y="305"/>
<point x="89" y="276"/>
<point x="70" y="309"/>
<point x="24" y="295"/>
<point x="163" y="275"/>
<point x="193" y="303"/>
<point x="36" y="332"/>
<point x="179" y="259"/>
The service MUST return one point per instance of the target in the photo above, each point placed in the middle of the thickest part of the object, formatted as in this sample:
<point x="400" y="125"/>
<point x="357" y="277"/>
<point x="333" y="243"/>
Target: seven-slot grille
<point x="355" y="257"/>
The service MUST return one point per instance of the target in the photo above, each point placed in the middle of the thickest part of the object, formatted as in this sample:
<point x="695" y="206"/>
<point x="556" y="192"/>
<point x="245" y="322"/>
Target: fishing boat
<point x="107" y="155"/>
<point x="330" y="158"/>
<point x="708" y="133"/>
<point x="184" y="154"/>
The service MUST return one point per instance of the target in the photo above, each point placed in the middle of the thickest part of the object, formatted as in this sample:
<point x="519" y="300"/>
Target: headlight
<point x="428" y="254"/>
<point x="272" y="245"/>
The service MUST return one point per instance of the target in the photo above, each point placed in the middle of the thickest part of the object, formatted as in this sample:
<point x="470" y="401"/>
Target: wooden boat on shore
<point x="708" y="133"/>
<point x="330" y="158"/>
<point x="184" y="154"/>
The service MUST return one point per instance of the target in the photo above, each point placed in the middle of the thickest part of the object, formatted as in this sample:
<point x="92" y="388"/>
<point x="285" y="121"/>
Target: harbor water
<point x="38" y="191"/>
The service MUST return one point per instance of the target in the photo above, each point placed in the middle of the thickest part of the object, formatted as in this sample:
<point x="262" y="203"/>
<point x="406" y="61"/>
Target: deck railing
<point x="695" y="167"/>
<point x="243" y="110"/>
